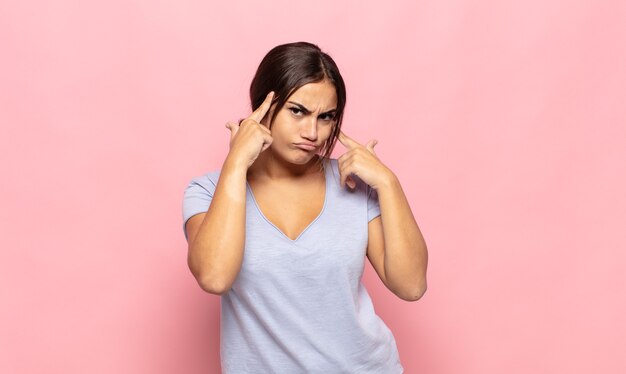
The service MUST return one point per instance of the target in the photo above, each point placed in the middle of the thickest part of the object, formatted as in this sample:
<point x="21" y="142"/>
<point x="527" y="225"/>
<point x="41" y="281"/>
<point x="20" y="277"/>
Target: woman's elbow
<point x="414" y="293"/>
<point x="209" y="282"/>
<point x="212" y="286"/>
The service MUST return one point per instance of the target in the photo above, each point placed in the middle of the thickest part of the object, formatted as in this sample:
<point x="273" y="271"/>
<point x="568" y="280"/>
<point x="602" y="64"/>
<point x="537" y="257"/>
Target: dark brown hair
<point x="286" y="68"/>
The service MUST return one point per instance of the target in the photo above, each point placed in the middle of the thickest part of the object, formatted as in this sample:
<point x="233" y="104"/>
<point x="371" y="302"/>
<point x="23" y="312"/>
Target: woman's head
<point x="286" y="69"/>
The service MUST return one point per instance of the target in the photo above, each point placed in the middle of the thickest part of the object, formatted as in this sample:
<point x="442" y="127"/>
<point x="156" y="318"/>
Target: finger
<point x="350" y="182"/>
<point x="347" y="180"/>
<point x="260" y="112"/>
<point x="370" y="145"/>
<point x="342" y="179"/>
<point x="266" y="130"/>
<point x="346" y="177"/>
<point x="233" y="127"/>
<point x="343" y="158"/>
<point x="267" y="141"/>
<point x="347" y="141"/>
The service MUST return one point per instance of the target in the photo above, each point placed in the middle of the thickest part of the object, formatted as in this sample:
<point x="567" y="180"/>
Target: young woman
<point x="281" y="231"/>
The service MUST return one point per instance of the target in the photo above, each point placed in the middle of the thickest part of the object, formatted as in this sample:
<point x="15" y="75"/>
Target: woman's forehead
<point x="318" y="95"/>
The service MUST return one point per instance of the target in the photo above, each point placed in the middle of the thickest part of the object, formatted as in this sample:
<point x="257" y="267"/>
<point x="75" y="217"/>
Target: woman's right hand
<point x="249" y="137"/>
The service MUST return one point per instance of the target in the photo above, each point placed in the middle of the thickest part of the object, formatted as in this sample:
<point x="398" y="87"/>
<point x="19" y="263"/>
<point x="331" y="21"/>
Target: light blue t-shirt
<point x="298" y="306"/>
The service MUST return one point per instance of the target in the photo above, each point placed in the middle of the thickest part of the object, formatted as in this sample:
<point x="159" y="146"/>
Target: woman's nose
<point x="309" y="130"/>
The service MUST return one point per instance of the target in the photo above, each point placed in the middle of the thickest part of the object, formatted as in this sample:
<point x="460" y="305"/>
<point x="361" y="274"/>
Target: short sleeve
<point x="197" y="197"/>
<point x="373" y="208"/>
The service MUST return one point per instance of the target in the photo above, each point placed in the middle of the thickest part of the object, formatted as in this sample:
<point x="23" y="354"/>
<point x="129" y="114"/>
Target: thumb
<point x="371" y="144"/>
<point x="233" y="127"/>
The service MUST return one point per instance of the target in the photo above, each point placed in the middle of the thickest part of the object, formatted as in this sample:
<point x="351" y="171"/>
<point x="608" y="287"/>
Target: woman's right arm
<point x="216" y="238"/>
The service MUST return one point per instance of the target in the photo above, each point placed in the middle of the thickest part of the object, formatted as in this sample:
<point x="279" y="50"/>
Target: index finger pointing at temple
<point x="347" y="141"/>
<point x="260" y="112"/>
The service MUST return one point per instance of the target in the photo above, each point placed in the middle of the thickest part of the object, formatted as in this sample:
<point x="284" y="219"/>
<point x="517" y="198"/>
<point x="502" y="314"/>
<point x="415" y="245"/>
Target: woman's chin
<point x="296" y="156"/>
<point x="300" y="157"/>
<point x="302" y="160"/>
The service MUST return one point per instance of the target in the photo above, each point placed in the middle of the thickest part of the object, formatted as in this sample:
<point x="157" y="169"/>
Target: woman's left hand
<point x="361" y="161"/>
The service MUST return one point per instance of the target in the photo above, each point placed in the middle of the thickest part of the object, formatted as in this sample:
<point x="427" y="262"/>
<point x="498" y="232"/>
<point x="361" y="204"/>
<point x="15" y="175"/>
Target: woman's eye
<point x="327" y="117"/>
<point x="295" y="110"/>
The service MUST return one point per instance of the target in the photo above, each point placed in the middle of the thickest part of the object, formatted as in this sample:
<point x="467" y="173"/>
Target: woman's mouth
<point x="306" y="147"/>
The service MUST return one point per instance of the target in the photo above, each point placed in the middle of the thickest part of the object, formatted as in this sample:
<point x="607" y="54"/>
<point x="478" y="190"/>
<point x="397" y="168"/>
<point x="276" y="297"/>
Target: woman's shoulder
<point x="207" y="180"/>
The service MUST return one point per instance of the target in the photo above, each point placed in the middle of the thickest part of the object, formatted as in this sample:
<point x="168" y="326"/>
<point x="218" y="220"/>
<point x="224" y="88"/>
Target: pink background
<point x="504" y="120"/>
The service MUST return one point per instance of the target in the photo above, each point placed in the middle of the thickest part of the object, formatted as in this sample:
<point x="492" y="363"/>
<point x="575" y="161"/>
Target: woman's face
<point x="304" y="123"/>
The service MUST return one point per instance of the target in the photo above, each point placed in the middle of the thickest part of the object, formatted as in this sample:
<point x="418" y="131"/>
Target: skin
<point x="280" y="174"/>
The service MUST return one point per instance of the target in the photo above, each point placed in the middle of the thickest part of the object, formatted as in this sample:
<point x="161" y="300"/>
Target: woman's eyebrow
<point x="305" y="110"/>
<point x="300" y="106"/>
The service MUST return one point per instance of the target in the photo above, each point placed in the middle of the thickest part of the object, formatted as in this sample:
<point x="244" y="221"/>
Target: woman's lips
<point x="306" y="147"/>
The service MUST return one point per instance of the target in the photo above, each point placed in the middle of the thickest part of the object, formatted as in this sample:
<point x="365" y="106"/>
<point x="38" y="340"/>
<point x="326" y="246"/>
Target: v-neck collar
<point x="327" y="166"/>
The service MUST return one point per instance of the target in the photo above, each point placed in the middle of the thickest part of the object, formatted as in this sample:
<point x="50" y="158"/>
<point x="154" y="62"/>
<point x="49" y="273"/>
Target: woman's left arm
<point x="396" y="247"/>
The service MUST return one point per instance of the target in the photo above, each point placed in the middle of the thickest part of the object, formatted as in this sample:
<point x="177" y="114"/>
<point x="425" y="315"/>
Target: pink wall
<point x="505" y="121"/>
